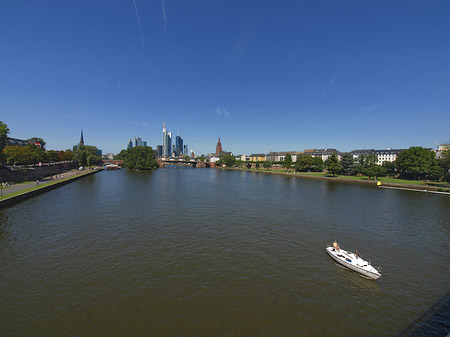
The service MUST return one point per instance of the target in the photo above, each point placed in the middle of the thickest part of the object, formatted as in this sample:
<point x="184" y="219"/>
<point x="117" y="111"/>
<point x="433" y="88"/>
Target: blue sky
<point x="281" y="75"/>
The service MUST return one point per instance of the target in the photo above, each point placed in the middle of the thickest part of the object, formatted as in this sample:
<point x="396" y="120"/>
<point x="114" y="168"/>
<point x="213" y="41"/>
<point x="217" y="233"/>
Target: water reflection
<point x="180" y="249"/>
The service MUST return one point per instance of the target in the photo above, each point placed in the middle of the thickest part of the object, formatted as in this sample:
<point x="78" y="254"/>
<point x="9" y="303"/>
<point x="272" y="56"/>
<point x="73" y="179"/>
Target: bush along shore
<point x="385" y="181"/>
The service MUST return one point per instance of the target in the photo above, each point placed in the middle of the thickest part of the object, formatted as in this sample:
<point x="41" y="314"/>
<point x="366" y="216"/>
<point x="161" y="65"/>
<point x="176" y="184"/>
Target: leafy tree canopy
<point x="3" y="137"/>
<point x="332" y="164"/>
<point x="139" y="158"/>
<point x="86" y="155"/>
<point x="228" y="160"/>
<point x="37" y="139"/>
<point x="304" y="163"/>
<point x="348" y="165"/>
<point x="415" y="161"/>
<point x="287" y="161"/>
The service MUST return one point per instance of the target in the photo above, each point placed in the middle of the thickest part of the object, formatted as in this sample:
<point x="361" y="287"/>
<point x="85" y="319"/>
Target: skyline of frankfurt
<point x="285" y="76"/>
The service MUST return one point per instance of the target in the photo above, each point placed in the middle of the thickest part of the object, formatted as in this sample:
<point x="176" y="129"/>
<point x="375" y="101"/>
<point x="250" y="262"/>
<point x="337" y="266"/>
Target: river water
<point x="205" y="252"/>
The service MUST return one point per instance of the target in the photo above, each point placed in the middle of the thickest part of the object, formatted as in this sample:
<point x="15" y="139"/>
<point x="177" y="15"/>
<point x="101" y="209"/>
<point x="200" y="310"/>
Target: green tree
<point x="444" y="162"/>
<point x="415" y="162"/>
<point x="140" y="158"/>
<point x="348" y="166"/>
<point x="374" y="171"/>
<point x="436" y="171"/>
<point x="51" y="156"/>
<point x="287" y="163"/>
<point x="86" y="155"/>
<point x="317" y="164"/>
<point x="37" y="139"/>
<point x="267" y="164"/>
<point x="390" y="167"/>
<point x="304" y="163"/>
<point x="332" y="164"/>
<point x="187" y="158"/>
<point x="228" y="160"/>
<point x="3" y="138"/>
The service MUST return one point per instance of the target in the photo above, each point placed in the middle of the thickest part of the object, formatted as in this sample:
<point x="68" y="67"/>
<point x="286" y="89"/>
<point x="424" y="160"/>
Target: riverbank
<point x="20" y="192"/>
<point x="385" y="181"/>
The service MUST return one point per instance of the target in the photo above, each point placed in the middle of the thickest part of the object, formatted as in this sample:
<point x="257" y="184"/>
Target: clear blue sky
<point x="286" y="75"/>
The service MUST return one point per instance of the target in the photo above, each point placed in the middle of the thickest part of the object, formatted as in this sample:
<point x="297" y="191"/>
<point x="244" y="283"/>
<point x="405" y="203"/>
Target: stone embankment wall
<point x="43" y="189"/>
<point x="32" y="174"/>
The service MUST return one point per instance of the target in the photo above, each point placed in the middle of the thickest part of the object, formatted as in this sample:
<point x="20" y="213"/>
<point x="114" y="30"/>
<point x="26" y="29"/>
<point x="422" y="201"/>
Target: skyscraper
<point x="166" y="142"/>
<point x="159" y="151"/>
<point x="178" y="146"/>
<point x="130" y="144"/>
<point x="185" y="150"/>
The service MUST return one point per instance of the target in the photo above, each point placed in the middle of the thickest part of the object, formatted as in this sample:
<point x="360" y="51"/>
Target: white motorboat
<point x="353" y="262"/>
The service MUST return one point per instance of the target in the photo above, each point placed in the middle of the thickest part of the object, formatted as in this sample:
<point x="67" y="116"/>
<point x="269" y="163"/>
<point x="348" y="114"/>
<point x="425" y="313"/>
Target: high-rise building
<point x="169" y="144"/>
<point x="137" y="141"/>
<point x="185" y="150"/>
<point x="130" y="144"/>
<point x="159" y="151"/>
<point x="219" y="148"/>
<point x="178" y="146"/>
<point x="165" y="142"/>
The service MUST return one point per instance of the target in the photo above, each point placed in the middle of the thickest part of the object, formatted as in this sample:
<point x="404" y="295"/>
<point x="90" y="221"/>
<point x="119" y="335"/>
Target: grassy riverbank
<point x="44" y="185"/>
<point x="388" y="181"/>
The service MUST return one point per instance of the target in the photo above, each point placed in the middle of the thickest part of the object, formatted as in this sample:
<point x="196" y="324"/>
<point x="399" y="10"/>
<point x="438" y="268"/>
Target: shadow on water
<point x="435" y="322"/>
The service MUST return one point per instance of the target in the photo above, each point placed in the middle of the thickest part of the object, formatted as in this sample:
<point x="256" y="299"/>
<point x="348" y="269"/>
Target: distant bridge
<point x="163" y="162"/>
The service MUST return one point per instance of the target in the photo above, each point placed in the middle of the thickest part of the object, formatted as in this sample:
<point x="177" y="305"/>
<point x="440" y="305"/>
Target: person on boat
<point x="335" y="245"/>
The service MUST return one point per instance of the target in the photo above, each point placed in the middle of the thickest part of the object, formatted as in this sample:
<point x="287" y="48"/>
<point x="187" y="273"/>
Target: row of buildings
<point x="388" y="155"/>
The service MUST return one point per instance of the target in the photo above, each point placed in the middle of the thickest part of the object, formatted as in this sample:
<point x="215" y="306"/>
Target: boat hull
<point x="354" y="263"/>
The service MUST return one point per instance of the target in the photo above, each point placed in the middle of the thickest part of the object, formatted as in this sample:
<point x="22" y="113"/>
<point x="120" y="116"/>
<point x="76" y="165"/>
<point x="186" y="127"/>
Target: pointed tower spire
<point x="81" y="139"/>
<point x="219" y="148"/>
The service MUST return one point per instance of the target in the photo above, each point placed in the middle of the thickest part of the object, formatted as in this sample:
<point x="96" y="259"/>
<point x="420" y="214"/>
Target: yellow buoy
<point x="379" y="183"/>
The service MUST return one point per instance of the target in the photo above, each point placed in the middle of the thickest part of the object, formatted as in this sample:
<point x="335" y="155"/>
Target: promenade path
<point x="19" y="187"/>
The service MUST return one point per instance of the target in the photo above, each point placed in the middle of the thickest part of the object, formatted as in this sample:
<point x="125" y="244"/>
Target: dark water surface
<point x="204" y="252"/>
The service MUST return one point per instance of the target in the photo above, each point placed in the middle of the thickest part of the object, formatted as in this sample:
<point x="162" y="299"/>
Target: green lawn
<point x="364" y="178"/>
<point x="10" y="195"/>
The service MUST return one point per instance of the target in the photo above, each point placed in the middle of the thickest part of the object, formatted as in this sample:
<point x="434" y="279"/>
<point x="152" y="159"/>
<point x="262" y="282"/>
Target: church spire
<point x="81" y="139"/>
<point x="219" y="148"/>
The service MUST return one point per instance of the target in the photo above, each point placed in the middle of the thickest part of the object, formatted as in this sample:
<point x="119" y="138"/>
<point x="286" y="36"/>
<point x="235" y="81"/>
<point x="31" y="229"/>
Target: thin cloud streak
<point x="222" y="112"/>
<point x="373" y="107"/>
<point x="163" y="6"/>
<point x="326" y="90"/>
<point x="139" y="23"/>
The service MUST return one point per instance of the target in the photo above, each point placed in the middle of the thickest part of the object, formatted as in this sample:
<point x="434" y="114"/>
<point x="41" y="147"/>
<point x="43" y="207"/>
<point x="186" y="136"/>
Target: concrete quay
<point x="34" y="188"/>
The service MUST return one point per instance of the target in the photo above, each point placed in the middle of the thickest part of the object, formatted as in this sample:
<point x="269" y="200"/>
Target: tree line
<point x="414" y="163"/>
<point x="83" y="155"/>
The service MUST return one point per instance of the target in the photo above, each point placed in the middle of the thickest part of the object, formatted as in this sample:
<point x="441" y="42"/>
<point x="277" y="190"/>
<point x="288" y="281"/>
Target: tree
<point x="267" y="164"/>
<point x="228" y="160"/>
<point x="186" y="158"/>
<point x="304" y="163"/>
<point x="332" y="164"/>
<point x="140" y="158"/>
<point x="317" y="164"/>
<point x="348" y="166"/>
<point x="37" y="139"/>
<point x="436" y="171"/>
<point x="86" y="155"/>
<point x="374" y="171"/>
<point x="390" y="167"/>
<point x="415" y="162"/>
<point x="287" y="163"/>
<point x="3" y="138"/>
<point x="51" y="156"/>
